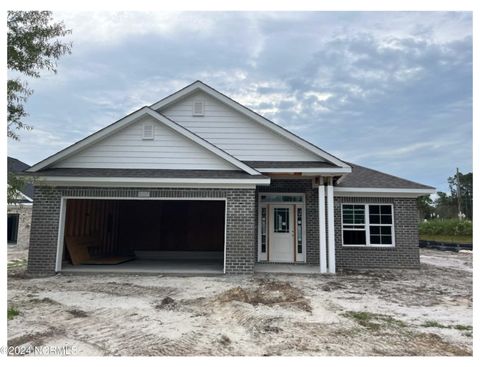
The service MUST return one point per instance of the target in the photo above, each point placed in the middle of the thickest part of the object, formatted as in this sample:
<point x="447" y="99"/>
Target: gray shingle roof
<point x="293" y="164"/>
<point x="16" y="166"/>
<point x="369" y="178"/>
<point x="145" y="173"/>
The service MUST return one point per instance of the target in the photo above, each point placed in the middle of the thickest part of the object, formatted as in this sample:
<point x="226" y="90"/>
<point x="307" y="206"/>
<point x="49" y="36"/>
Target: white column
<point x="322" y="227"/>
<point x="331" y="228"/>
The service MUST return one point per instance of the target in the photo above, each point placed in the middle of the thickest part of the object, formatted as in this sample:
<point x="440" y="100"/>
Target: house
<point x="198" y="179"/>
<point x="19" y="209"/>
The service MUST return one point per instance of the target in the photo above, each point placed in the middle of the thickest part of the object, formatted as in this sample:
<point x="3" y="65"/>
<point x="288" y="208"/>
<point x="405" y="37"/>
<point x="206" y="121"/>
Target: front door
<point x="282" y="233"/>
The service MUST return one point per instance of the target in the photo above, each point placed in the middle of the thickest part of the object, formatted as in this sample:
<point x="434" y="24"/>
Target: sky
<point x="388" y="90"/>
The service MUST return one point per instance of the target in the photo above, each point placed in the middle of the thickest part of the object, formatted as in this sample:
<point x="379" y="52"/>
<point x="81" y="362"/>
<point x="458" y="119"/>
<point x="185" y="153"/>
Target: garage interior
<point x="172" y="236"/>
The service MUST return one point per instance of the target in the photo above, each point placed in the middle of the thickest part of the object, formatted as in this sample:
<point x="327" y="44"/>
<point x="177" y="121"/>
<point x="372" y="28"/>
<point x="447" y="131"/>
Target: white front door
<point x="282" y="233"/>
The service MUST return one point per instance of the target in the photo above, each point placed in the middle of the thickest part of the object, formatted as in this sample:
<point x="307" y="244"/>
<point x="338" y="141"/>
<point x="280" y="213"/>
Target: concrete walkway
<point x="287" y="268"/>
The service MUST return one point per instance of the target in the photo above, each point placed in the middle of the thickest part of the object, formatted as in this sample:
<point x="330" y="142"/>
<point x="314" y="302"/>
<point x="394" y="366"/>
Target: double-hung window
<point x="367" y="225"/>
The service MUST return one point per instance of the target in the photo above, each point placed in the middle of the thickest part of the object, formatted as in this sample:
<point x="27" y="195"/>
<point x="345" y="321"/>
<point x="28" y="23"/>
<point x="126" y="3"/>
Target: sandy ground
<point x="414" y="312"/>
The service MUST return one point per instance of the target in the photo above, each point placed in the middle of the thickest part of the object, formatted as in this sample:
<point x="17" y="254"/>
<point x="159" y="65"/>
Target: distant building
<point x="19" y="212"/>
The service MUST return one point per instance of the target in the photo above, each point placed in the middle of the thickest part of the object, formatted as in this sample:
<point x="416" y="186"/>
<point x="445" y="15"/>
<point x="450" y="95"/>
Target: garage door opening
<point x="172" y="236"/>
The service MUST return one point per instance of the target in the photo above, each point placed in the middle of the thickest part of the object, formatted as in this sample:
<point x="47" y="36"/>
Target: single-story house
<point x="19" y="208"/>
<point x="197" y="178"/>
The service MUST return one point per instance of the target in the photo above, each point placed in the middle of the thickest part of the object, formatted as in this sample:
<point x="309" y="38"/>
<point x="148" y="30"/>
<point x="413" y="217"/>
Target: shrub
<point x="12" y="312"/>
<point x="447" y="227"/>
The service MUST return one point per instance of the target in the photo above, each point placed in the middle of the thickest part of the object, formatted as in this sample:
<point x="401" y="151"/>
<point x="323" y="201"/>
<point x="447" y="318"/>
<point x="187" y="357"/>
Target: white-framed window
<point x="148" y="132"/>
<point x="368" y="225"/>
<point x="198" y="108"/>
<point x="282" y="198"/>
<point x="263" y="230"/>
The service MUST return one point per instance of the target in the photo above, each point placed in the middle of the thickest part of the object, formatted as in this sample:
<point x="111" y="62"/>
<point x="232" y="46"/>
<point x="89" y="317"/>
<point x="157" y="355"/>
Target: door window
<point x="299" y="230"/>
<point x="281" y="220"/>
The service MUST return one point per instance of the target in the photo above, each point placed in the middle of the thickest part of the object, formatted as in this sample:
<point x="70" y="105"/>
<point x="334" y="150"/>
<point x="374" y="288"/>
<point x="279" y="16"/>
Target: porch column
<point x="331" y="227"/>
<point x="322" y="227"/>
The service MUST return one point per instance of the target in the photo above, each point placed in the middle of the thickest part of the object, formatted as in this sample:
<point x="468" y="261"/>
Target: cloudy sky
<point x="392" y="91"/>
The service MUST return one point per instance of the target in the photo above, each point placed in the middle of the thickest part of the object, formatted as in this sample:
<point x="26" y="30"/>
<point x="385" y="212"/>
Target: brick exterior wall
<point x="24" y="221"/>
<point x="242" y="217"/>
<point x="240" y="225"/>
<point x="405" y="254"/>
<point x="301" y="186"/>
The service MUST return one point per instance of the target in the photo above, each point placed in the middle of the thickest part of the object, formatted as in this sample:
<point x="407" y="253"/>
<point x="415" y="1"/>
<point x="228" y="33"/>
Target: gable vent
<point x="198" y="108"/>
<point x="147" y="132"/>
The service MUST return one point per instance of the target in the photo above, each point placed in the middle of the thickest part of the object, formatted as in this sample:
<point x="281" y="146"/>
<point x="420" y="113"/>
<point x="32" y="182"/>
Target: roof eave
<point x="382" y="191"/>
<point x="307" y="171"/>
<point x="150" y="182"/>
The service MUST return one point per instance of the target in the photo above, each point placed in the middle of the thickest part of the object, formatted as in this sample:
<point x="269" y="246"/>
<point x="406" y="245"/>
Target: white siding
<point x="127" y="149"/>
<point x="235" y="133"/>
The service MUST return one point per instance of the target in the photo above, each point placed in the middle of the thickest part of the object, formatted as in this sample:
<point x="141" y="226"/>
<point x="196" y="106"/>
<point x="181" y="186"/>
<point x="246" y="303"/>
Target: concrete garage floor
<point x="179" y="267"/>
<point x="170" y="266"/>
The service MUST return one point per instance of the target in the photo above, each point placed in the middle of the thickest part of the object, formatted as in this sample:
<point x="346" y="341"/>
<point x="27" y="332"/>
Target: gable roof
<point x="129" y="119"/>
<point x="366" y="179"/>
<point x="16" y="166"/>
<point x="200" y="86"/>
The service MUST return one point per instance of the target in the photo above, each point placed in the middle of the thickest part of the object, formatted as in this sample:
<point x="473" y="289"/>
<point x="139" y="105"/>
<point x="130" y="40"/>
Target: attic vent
<point x="198" y="108"/>
<point x="147" y="132"/>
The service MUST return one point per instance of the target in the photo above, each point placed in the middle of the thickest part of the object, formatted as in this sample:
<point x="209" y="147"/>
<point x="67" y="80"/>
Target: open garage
<point x="148" y="235"/>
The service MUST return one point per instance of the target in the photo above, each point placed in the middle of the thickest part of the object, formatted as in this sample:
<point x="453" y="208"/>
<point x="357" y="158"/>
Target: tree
<point x="32" y="46"/>
<point x="466" y="192"/>
<point x="425" y="207"/>
<point x="445" y="206"/>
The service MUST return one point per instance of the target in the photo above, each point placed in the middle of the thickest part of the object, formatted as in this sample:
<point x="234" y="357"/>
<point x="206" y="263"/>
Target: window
<point x="380" y="224"/>
<point x="147" y="132"/>
<point x="198" y="108"/>
<point x="367" y="225"/>
<point x="281" y="220"/>
<point x="299" y="231"/>
<point x="354" y="225"/>
<point x="263" y="232"/>
<point x="281" y="198"/>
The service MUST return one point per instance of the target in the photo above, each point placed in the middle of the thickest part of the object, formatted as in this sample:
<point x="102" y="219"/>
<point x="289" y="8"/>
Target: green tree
<point x="466" y="192"/>
<point x="425" y="207"/>
<point x="445" y="206"/>
<point x="33" y="45"/>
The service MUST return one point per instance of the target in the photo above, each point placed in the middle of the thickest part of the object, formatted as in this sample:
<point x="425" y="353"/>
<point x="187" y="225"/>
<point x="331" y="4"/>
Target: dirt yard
<point x="415" y="312"/>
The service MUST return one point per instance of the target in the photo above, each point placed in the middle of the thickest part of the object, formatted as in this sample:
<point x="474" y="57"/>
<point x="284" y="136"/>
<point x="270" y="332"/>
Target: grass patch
<point x="12" y="312"/>
<point x="436" y="324"/>
<point x="446" y="238"/>
<point x="446" y="227"/>
<point x="463" y="327"/>
<point x="374" y="321"/>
